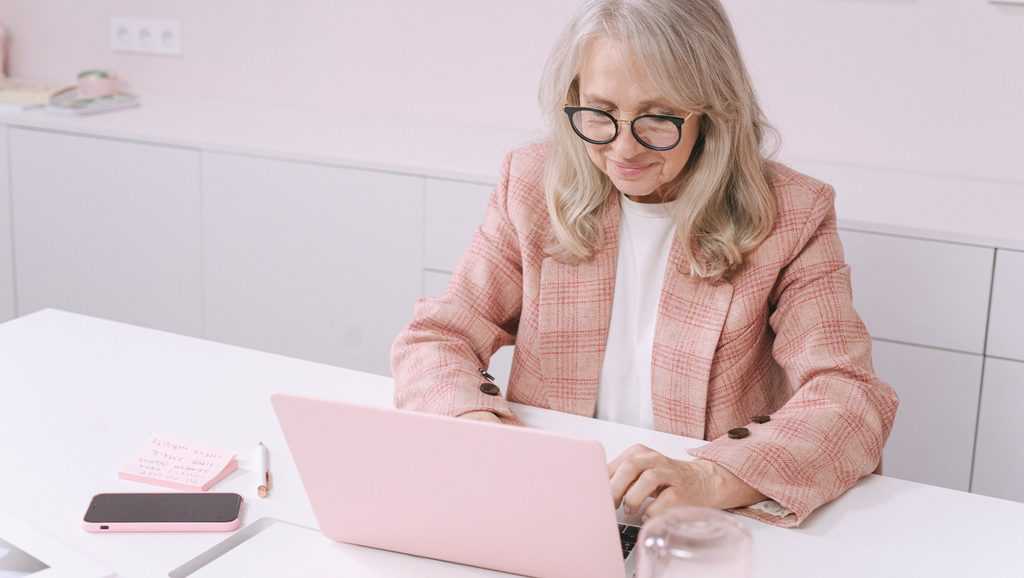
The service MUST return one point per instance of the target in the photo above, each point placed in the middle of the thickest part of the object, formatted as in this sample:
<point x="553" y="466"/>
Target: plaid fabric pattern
<point x="781" y="338"/>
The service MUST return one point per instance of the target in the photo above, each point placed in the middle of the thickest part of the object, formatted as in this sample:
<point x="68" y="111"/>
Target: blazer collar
<point x="574" y="316"/>
<point x="691" y="315"/>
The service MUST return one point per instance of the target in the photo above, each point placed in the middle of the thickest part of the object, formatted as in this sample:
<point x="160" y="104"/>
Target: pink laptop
<point x="506" y="498"/>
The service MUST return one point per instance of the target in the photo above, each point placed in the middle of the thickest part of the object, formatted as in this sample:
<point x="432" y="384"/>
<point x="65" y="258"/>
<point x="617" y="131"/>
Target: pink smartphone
<point x="164" y="512"/>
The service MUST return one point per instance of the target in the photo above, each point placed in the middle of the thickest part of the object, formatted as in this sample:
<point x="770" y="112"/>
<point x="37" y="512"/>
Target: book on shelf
<point x="20" y="94"/>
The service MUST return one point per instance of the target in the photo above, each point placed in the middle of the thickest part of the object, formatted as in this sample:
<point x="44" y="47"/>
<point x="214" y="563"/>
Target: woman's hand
<point x="481" y="416"/>
<point x="640" y="472"/>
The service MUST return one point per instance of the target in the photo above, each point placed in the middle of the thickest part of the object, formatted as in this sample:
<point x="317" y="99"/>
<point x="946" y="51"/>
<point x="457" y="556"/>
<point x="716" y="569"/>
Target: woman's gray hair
<point x="690" y="53"/>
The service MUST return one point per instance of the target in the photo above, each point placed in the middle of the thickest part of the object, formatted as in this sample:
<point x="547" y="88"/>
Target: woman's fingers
<point x="687" y="483"/>
<point x="628" y="467"/>
<point x="665" y="500"/>
<point x="632" y="452"/>
<point x="624" y="477"/>
<point x="647" y="485"/>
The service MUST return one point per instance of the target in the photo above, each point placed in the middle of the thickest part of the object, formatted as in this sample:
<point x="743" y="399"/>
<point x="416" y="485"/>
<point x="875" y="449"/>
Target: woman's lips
<point x="630" y="169"/>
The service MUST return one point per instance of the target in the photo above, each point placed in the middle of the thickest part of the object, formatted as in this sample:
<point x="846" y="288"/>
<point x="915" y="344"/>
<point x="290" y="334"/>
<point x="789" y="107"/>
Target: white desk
<point x="79" y="395"/>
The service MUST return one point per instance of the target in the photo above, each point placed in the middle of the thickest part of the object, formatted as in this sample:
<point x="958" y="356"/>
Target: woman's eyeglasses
<point x="660" y="132"/>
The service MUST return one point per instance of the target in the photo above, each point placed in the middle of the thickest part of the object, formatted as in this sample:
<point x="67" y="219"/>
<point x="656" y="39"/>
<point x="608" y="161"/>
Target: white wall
<point x="932" y="86"/>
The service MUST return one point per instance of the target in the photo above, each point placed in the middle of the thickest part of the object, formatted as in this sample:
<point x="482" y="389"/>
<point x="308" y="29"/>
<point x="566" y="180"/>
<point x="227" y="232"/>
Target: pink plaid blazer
<point x="781" y="338"/>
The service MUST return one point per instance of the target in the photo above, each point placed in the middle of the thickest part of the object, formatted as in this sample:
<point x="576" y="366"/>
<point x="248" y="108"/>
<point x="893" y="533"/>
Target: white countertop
<point x="443" y="148"/>
<point x="945" y="208"/>
<point x="81" y="395"/>
<point x="975" y="212"/>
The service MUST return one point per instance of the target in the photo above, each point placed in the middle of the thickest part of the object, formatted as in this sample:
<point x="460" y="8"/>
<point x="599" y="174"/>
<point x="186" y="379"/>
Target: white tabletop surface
<point x="80" y="395"/>
<point x="876" y="199"/>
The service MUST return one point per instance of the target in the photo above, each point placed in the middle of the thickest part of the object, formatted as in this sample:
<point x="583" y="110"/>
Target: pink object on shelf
<point x="179" y="466"/>
<point x="3" y="52"/>
<point x="94" y="84"/>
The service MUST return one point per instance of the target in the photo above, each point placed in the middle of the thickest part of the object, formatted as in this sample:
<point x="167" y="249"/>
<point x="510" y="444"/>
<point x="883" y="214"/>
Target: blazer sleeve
<point x="832" y="430"/>
<point x="438" y="359"/>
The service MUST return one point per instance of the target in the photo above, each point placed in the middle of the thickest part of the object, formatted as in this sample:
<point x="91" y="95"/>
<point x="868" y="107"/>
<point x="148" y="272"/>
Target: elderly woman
<point x="653" y="267"/>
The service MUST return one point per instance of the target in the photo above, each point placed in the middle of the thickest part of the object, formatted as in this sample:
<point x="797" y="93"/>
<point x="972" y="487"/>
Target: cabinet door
<point x="1006" y="322"/>
<point x="6" y="254"/>
<point x="999" y="461"/>
<point x="933" y="438"/>
<point x="454" y="210"/>
<point x="312" y="261"/>
<point x="107" y="228"/>
<point x="921" y="292"/>
<point x="435" y="284"/>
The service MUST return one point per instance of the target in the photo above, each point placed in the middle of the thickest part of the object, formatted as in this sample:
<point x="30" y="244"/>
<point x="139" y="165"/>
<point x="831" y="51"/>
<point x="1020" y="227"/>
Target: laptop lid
<point x="501" y="497"/>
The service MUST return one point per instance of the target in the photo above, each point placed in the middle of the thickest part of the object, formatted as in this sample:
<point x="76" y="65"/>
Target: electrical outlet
<point x="146" y="36"/>
<point x="167" y="37"/>
<point x="122" y="34"/>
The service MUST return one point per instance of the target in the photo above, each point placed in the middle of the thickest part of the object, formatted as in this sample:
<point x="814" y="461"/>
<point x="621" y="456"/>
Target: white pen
<point x="264" y="471"/>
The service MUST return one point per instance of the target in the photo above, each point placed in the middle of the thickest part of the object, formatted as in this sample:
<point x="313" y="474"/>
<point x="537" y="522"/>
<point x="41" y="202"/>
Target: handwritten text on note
<point x="173" y="463"/>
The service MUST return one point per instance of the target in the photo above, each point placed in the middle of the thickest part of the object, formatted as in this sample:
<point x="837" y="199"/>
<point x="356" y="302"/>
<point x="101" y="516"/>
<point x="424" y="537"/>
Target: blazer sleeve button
<point x="489" y="388"/>
<point x="739" y="433"/>
<point x="761" y="419"/>
<point x="485" y="375"/>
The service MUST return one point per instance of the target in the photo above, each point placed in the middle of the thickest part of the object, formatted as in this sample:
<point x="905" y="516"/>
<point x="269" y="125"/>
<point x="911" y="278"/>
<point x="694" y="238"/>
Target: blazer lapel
<point x="575" y="312"/>
<point x="691" y="315"/>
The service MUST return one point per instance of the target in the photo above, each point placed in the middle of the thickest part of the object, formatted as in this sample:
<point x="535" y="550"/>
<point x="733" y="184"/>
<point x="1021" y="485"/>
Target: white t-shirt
<point x="645" y="238"/>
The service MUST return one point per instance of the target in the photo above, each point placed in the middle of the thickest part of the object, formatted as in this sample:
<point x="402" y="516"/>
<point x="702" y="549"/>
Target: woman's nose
<point x="626" y="146"/>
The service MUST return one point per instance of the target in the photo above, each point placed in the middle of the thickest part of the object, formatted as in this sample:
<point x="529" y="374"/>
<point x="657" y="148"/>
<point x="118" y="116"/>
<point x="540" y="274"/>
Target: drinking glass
<point x="691" y="542"/>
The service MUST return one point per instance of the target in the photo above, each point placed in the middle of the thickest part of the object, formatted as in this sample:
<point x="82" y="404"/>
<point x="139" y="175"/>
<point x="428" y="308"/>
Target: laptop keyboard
<point x="628" y="536"/>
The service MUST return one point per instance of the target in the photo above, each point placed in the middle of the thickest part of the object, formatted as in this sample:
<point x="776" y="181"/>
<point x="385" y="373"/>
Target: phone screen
<point x="129" y="508"/>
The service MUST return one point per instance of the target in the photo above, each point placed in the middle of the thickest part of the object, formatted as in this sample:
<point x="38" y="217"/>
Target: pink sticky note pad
<point x="178" y="465"/>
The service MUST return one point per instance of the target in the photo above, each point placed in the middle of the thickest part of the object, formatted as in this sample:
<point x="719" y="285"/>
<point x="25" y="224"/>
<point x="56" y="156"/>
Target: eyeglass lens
<point x="650" y="130"/>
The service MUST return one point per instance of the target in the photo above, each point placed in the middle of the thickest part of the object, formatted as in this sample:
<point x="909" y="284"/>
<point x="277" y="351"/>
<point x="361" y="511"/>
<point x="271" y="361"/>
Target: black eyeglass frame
<point x="676" y="120"/>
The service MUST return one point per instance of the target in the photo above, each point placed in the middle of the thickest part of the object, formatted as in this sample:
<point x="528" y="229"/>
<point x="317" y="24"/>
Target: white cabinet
<point x="454" y="210"/>
<point x="999" y="458"/>
<point x="1006" y="321"/>
<point x="107" y="228"/>
<point x="312" y="261"/>
<point x="933" y="437"/>
<point x="6" y="252"/>
<point x="922" y="292"/>
<point x="434" y="285"/>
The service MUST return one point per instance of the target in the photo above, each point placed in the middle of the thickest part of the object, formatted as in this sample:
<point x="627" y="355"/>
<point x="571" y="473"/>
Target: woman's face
<point x="610" y="79"/>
